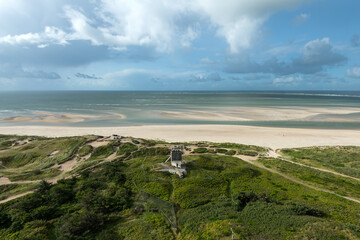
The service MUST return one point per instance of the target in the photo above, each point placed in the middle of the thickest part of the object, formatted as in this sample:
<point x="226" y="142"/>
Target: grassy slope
<point x="341" y="185"/>
<point x="219" y="196"/>
<point x="345" y="160"/>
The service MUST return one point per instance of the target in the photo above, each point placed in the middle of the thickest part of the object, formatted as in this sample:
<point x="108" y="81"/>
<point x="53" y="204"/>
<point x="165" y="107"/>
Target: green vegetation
<point x="14" y="189"/>
<point x="85" y="150"/>
<point x="230" y="152"/>
<point x="221" y="150"/>
<point x="345" y="160"/>
<point x="5" y="144"/>
<point x="338" y="184"/>
<point x="200" y="150"/>
<point x="153" y="151"/>
<point x="34" y="157"/>
<point x="241" y="147"/>
<point x="102" y="152"/>
<point x="229" y="149"/>
<point x="126" y="148"/>
<point x="220" y="197"/>
<point x="36" y="175"/>
<point x="248" y="153"/>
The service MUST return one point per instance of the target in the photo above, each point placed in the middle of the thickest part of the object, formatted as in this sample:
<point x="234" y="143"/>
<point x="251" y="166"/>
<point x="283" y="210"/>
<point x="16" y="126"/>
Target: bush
<point x="300" y="209"/>
<point x="200" y="150"/>
<point x="248" y="153"/>
<point x="85" y="150"/>
<point x="5" y="220"/>
<point x="231" y="152"/>
<point x="79" y="225"/>
<point x="106" y="202"/>
<point x="243" y="198"/>
<point x="126" y="148"/>
<point x="5" y="144"/>
<point x="221" y="150"/>
<point x="35" y="230"/>
<point x="149" y="152"/>
<point x="102" y="152"/>
<point x="61" y="193"/>
<point x="44" y="213"/>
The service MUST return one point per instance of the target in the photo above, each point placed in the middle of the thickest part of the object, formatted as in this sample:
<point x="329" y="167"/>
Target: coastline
<point x="271" y="137"/>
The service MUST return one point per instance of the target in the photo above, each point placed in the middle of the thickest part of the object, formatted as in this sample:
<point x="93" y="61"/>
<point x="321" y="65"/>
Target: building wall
<point x="176" y="155"/>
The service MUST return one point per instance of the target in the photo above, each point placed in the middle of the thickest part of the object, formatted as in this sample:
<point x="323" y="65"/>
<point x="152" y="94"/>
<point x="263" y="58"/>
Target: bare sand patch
<point x="4" y="181"/>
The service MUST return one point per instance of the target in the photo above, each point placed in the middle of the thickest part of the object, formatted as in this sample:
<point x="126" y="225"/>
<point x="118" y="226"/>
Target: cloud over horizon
<point x="212" y="41"/>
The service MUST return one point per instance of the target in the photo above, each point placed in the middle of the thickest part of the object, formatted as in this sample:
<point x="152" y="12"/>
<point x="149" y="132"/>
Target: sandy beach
<point x="274" y="138"/>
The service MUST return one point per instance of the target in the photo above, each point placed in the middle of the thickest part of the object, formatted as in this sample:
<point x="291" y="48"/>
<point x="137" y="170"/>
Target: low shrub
<point x="85" y="150"/>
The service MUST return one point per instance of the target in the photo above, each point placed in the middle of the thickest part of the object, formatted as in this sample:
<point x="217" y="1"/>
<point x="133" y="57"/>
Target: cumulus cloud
<point x="316" y="55"/>
<point x="212" y="77"/>
<point x="51" y="35"/>
<point x="162" y="24"/>
<point x="286" y="81"/>
<point x="239" y="20"/>
<point x="353" y="73"/>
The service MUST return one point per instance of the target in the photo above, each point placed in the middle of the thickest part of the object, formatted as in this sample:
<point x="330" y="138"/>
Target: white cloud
<point x="49" y="35"/>
<point x="301" y="18"/>
<point x="315" y="56"/>
<point x="162" y="24"/>
<point x="281" y="81"/>
<point x="353" y="73"/>
<point x="239" y="20"/>
<point x="320" y="51"/>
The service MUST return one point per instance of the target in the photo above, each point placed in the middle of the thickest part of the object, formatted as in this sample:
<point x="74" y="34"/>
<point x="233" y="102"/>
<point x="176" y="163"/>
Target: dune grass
<point x="342" y="159"/>
<point x="220" y="197"/>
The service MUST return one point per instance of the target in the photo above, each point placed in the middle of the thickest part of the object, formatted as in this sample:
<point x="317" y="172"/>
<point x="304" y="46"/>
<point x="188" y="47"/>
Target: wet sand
<point x="265" y="114"/>
<point x="58" y="118"/>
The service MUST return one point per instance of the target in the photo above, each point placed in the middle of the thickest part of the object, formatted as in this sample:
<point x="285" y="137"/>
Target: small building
<point x="115" y="137"/>
<point x="176" y="157"/>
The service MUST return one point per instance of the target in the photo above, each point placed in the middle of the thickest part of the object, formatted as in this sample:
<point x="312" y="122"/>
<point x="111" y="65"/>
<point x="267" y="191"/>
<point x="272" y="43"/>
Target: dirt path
<point x="15" y="196"/>
<point x="273" y="153"/>
<point x="259" y="165"/>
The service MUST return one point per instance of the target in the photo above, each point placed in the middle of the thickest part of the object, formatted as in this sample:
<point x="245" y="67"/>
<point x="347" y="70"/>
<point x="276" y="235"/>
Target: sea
<point x="142" y="108"/>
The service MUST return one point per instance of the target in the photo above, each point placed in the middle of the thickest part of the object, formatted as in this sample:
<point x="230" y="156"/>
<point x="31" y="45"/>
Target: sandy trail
<point x="15" y="196"/>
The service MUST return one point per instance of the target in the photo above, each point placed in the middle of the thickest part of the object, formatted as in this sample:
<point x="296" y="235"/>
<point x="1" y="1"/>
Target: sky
<point x="180" y="45"/>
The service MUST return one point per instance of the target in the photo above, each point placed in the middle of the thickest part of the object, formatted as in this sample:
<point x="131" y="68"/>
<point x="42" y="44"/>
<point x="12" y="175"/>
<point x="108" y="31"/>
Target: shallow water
<point x="142" y="108"/>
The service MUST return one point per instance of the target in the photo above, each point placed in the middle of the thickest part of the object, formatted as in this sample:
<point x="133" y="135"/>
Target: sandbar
<point x="46" y="117"/>
<point x="324" y="114"/>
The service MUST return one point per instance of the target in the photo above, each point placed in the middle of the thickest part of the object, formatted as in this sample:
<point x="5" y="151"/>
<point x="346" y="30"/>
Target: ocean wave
<point x="323" y="94"/>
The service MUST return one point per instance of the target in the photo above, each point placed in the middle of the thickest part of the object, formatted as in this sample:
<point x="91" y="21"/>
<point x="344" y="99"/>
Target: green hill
<point x="113" y="189"/>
